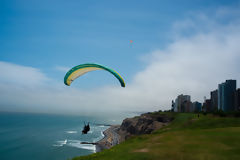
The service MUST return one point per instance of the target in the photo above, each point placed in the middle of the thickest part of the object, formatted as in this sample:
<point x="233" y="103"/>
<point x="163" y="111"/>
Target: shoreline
<point x="144" y="124"/>
<point x="110" y="139"/>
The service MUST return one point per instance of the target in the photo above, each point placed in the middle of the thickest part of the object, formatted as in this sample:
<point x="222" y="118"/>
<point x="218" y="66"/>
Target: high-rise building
<point x="214" y="100"/>
<point x="197" y="106"/>
<point x="237" y="100"/>
<point x="187" y="106"/>
<point x="226" y="95"/>
<point x="182" y="103"/>
<point x="207" y="105"/>
<point x="175" y="105"/>
<point x="230" y="88"/>
<point x="220" y="96"/>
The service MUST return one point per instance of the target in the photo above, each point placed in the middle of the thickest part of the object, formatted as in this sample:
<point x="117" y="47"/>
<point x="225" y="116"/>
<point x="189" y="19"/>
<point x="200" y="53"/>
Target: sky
<point x="178" y="47"/>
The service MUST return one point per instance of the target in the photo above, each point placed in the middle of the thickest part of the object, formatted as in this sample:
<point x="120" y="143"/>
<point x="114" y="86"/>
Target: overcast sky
<point x="179" y="47"/>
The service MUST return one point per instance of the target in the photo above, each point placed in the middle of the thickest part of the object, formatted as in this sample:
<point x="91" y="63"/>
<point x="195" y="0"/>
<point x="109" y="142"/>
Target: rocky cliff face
<point x="144" y="124"/>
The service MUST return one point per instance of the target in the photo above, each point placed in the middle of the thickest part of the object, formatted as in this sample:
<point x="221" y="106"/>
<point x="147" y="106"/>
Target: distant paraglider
<point x="131" y="41"/>
<point x="81" y="69"/>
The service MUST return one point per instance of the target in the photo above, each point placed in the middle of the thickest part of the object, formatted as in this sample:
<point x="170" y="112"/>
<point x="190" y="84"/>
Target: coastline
<point x="143" y="124"/>
<point x="110" y="139"/>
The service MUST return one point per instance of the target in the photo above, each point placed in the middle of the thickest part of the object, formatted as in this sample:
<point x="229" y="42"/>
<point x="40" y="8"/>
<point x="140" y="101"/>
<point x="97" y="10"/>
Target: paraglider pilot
<point x="86" y="128"/>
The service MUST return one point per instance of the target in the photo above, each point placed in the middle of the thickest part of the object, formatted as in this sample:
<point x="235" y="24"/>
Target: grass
<point x="186" y="138"/>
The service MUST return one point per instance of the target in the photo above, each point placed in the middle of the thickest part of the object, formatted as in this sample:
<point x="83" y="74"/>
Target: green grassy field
<point x="186" y="138"/>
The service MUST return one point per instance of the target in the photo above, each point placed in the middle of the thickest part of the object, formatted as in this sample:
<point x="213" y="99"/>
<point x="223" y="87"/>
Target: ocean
<point x="28" y="136"/>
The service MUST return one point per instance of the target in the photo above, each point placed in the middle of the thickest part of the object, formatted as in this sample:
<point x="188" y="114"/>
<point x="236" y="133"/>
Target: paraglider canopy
<point x="81" y="69"/>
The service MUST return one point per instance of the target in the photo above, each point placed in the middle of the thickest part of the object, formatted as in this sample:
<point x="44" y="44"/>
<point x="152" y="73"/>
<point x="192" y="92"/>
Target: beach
<point x="111" y="138"/>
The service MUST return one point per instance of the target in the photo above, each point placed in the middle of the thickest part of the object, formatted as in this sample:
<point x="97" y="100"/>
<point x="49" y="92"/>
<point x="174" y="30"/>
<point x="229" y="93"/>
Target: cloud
<point x="62" y="68"/>
<point x="21" y="75"/>
<point x="191" y="64"/>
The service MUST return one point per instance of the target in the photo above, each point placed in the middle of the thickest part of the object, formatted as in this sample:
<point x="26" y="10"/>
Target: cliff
<point x="188" y="137"/>
<point x="144" y="124"/>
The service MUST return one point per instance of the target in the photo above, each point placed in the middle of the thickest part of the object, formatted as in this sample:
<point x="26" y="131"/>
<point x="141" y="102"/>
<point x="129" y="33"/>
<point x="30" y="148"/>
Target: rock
<point x="144" y="124"/>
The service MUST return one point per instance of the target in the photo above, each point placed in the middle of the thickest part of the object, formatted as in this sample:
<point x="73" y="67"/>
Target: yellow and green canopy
<point x="81" y="69"/>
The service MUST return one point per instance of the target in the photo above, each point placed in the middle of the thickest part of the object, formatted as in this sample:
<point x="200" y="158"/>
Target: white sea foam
<point x="101" y="126"/>
<point x="57" y="145"/>
<point x="77" y="144"/>
<point x="102" y="134"/>
<point x="89" y="147"/>
<point x="90" y="132"/>
<point x="95" y="140"/>
<point x="74" y="141"/>
<point x="71" y="132"/>
<point x="60" y="143"/>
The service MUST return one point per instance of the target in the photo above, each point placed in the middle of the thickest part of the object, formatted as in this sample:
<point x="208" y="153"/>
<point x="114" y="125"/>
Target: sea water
<point x="26" y="136"/>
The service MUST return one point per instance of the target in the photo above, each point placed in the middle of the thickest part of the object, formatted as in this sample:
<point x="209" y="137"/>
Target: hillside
<point x="186" y="137"/>
<point x="144" y="124"/>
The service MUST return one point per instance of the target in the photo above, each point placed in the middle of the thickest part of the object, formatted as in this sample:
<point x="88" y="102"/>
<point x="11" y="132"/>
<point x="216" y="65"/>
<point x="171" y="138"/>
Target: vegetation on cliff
<point x="186" y="137"/>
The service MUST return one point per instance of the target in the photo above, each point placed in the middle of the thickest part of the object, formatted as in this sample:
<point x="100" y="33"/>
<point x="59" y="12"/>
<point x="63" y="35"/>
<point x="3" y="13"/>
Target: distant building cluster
<point x="226" y="98"/>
